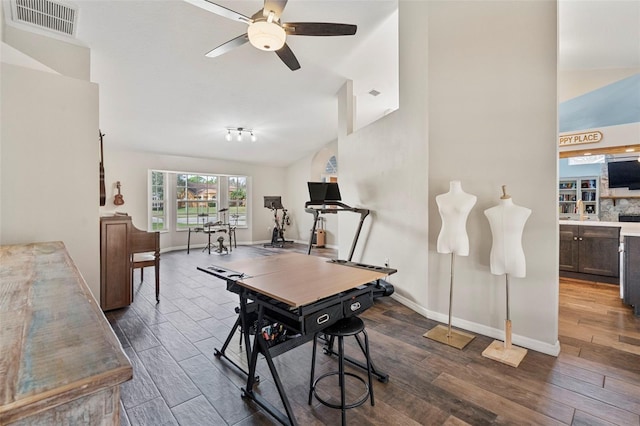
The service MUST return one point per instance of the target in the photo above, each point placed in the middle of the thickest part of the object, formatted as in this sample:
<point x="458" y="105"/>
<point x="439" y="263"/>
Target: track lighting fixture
<point x="240" y="131"/>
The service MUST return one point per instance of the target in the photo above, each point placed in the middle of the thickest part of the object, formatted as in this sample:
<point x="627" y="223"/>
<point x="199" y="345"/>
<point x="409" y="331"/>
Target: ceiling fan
<point x="267" y="32"/>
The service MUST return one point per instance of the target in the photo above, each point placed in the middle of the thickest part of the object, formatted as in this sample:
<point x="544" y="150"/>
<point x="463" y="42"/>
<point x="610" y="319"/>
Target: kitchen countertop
<point x="628" y="229"/>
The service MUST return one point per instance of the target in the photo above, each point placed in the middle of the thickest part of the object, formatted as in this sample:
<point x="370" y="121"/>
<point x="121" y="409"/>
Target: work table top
<point x="298" y="279"/>
<point x="56" y="344"/>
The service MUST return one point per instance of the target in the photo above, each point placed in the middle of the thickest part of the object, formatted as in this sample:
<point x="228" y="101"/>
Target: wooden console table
<point x="60" y="360"/>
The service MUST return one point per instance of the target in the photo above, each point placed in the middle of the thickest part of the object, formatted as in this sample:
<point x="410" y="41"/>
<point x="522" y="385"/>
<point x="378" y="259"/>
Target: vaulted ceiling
<point x="159" y="93"/>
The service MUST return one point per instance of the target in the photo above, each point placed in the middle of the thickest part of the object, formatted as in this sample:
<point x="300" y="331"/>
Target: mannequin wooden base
<point x="498" y="352"/>
<point x="457" y="339"/>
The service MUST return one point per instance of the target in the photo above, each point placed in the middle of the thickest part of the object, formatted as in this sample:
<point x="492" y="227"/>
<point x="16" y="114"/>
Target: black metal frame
<point x="241" y="322"/>
<point x="229" y="230"/>
<point x="256" y="308"/>
<point x="277" y="237"/>
<point x="337" y="207"/>
<point x="328" y="350"/>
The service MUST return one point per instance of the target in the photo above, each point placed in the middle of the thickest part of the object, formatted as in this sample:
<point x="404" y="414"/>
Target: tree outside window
<point x="238" y="200"/>
<point x="196" y="200"/>
<point x="158" y="211"/>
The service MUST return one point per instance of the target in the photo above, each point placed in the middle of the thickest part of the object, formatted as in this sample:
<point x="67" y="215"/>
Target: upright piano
<point x="119" y="240"/>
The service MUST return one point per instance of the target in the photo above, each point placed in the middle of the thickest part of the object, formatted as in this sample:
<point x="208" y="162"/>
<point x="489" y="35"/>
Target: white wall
<point x="297" y="176"/>
<point x="49" y="148"/>
<point x="573" y="83"/>
<point x="49" y="165"/>
<point x="487" y="118"/>
<point x="68" y="58"/>
<point x="318" y="170"/>
<point x="132" y="170"/>
<point x="309" y="169"/>
<point x="493" y="122"/>
<point x="383" y="167"/>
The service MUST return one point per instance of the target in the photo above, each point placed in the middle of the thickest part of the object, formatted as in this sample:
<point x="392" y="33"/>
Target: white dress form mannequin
<point x="454" y="207"/>
<point x="507" y="222"/>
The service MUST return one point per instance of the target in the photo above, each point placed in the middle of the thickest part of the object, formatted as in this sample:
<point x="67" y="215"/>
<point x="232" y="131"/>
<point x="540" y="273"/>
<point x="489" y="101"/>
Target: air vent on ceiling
<point x="45" y="14"/>
<point x="374" y="92"/>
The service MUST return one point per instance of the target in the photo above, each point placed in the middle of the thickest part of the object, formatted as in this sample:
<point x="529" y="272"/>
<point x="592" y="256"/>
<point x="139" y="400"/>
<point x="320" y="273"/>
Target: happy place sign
<point x="580" y="138"/>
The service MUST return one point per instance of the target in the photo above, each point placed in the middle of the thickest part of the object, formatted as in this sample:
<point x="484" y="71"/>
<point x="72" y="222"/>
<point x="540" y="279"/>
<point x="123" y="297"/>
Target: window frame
<point x="153" y="202"/>
<point x="233" y="218"/>
<point x="203" y="206"/>
<point x="222" y="200"/>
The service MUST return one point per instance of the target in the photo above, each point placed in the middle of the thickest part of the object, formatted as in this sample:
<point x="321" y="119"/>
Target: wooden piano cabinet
<point x="60" y="362"/>
<point x="115" y="262"/>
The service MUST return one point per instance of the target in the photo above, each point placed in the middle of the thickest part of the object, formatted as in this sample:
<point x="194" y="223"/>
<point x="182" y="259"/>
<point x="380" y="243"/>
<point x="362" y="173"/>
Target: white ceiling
<point x="159" y="93"/>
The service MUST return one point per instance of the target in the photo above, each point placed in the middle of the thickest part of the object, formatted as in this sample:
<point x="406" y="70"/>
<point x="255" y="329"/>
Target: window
<point x="158" y="211"/>
<point x="199" y="199"/>
<point x="237" y="200"/>
<point x="332" y="166"/>
<point x="196" y="200"/>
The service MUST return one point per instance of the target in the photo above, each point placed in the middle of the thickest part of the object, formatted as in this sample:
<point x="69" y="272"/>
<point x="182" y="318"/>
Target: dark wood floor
<point x="177" y="380"/>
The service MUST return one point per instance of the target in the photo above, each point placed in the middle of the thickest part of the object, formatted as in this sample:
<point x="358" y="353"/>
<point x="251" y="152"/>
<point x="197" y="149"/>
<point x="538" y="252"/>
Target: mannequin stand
<point x="442" y="334"/>
<point x="505" y="352"/>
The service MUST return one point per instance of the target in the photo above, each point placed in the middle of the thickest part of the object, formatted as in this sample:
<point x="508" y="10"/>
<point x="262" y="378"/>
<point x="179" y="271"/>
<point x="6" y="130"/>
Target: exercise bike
<point x="277" y="235"/>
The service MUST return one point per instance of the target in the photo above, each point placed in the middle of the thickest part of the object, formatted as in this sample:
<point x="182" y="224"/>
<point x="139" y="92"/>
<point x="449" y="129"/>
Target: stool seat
<point x="351" y="326"/>
<point x="345" y="327"/>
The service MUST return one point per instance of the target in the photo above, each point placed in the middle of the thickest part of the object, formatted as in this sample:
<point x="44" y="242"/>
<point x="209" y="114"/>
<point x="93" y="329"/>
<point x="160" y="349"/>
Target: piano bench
<point x="143" y="260"/>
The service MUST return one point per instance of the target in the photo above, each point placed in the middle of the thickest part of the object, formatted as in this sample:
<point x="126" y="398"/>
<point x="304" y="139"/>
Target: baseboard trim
<point x="495" y="333"/>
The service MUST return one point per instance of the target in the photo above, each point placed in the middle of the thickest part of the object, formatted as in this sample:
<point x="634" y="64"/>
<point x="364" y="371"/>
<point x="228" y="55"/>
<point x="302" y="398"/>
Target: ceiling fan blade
<point x="319" y="29"/>
<point x="220" y="10"/>
<point x="275" y="6"/>
<point x="229" y="45"/>
<point x="286" y="54"/>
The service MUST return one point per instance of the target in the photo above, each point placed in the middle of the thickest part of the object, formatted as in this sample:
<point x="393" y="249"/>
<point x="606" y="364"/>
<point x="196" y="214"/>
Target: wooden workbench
<point x="60" y="361"/>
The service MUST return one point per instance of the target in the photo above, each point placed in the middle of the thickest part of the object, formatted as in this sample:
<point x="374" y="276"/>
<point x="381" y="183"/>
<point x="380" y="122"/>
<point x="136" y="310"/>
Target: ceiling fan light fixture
<point x="228" y="136"/>
<point x="266" y="35"/>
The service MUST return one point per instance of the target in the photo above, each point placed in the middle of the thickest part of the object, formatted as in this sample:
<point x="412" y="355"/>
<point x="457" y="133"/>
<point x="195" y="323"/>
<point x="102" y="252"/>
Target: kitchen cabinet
<point x="631" y="274"/>
<point x="589" y="252"/>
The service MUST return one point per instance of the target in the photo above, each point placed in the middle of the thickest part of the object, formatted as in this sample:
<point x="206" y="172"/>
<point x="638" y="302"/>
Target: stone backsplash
<point x="609" y="212"/>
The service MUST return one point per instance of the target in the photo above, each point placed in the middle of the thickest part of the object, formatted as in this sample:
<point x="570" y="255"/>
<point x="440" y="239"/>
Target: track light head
<point x="239" y="134"/>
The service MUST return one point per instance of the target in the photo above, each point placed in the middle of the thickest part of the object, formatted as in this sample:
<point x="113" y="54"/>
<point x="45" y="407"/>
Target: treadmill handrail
<point x="326" y="202"/>
<point x="342" y="208"/>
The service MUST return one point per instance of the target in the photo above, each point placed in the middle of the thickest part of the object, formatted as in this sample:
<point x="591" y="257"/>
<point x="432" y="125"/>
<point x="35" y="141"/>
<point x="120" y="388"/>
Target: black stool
<point x="351" y="326"/>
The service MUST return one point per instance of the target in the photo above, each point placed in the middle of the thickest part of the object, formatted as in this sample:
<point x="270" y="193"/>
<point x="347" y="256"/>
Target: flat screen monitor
<point x="624" y="174"/>
<point x="273" y="201"/>
<point x="324" y="191"/>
